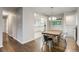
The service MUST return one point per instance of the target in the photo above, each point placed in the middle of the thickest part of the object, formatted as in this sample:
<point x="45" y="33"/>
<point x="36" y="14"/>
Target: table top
<point x="52" y="32"/>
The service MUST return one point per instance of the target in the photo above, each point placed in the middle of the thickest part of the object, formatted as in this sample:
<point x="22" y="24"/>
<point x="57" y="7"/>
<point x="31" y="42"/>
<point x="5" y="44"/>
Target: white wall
<point x="4" y="20"/>
<point x="1" y="28"/>
<point x="69" y="24"/>
<point x="28" y="24"/>
<point x="19" y="25"/>
<point x="70" y="18"/>
<point x="10" y="24"/>
<point x="77" y="14"/>
<point x="14" y="24"/>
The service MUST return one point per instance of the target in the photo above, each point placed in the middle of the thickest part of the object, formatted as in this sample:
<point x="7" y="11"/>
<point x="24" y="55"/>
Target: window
<point x="39" y="25"/>
<point x="55" y="20"/>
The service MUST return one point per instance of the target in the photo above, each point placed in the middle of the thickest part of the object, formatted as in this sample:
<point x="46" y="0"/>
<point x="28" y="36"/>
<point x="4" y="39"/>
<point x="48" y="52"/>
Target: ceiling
<point x="54" y="10"/>
<point x="49" y="11"/>
<point x="9" y="8"/>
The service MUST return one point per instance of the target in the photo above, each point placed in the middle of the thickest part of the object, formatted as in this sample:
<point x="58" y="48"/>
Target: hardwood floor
<point x="12" y="45"/>
<point x="71" y="45"/>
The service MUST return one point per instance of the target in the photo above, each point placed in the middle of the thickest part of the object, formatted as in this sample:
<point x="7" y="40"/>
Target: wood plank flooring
<point x="71" y="45"/>
<point x="12" y="45"/>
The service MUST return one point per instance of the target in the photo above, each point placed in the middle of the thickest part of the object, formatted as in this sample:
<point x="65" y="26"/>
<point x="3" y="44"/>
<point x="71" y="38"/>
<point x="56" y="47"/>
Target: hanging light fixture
<point x="50" y="18"/>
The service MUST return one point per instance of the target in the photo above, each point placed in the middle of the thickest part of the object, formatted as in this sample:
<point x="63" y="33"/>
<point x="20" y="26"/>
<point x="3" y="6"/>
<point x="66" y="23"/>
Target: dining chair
<point x="45" y="47"/>
<point x="45" y="38"/>
<point x="50" y="44"/>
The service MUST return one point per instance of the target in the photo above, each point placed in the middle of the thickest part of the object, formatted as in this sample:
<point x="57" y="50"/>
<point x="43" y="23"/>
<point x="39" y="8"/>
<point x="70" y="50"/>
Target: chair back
<point x="45" y="37"/>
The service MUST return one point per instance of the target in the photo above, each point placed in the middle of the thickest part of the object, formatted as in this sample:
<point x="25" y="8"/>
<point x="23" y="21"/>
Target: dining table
<point x="54" y="33"/>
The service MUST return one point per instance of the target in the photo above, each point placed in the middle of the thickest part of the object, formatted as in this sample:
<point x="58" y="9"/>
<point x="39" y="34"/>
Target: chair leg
<point x="45" y="47"/>
<point x="50" y="45"/>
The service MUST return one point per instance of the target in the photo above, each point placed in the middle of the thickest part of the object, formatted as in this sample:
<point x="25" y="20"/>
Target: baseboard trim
<point x="14" y="38"/>
<point x="21" y="42"/>
<point x="1" y="46"/>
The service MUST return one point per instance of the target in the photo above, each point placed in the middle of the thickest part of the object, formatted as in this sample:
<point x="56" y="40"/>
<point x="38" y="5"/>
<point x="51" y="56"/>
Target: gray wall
<point x="69" y="24"/>
<point x="19" y="24"/>
<point x="77" y="13"/>
<point x="14" y="24"/>
<point x="28" y="24"/>
<point x="1" y="28"/>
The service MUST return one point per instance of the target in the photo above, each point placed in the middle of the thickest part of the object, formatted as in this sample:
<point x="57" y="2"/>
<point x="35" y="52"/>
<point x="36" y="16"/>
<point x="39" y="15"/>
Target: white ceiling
<point x="54" y="10"/>
<point x="9" y="8"/>
<point x="47" y="10"/>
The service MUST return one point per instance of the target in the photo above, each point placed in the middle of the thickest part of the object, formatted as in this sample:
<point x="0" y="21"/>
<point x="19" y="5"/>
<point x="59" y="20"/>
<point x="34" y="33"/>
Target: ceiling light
<point x="54" y="18"/>
<point x="50" y="19"/>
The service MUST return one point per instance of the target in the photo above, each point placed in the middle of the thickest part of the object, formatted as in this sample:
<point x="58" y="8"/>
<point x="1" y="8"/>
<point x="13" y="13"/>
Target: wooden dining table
<point x="53" y="33"/>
